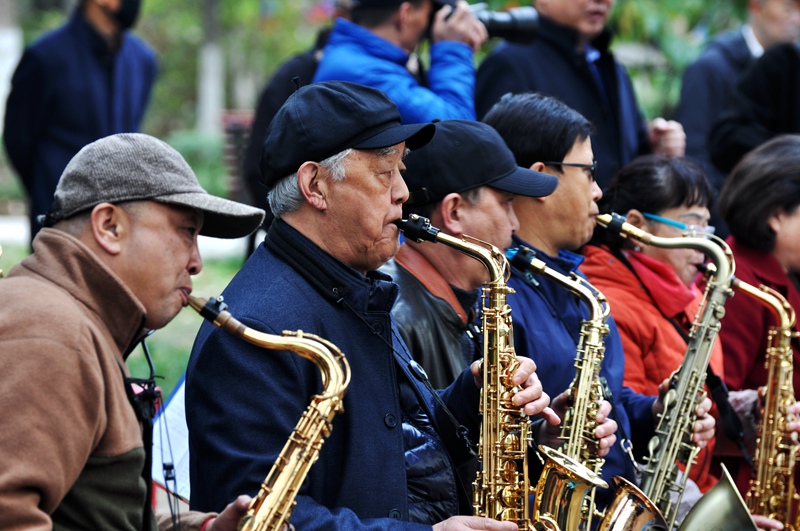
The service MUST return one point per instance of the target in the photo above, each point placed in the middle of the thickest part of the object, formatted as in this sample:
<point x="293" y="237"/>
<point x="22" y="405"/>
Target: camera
<point x="518" y="24"/>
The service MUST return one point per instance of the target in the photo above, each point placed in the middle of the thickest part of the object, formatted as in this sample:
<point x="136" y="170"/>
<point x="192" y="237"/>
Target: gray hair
<point x="285" y="197"/>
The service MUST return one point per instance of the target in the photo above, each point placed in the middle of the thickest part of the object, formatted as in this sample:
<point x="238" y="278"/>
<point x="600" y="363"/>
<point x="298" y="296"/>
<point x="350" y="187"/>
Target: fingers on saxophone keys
<point x="703" y="430"/>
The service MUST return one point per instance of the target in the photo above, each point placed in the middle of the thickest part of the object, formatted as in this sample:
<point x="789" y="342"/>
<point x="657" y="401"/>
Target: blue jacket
<point x="551" y="65"/>
<point x="67" y="91"/>
<point x="243" y="402"/>
<point x="355" y="54"/>
<point x="547" y="321"/>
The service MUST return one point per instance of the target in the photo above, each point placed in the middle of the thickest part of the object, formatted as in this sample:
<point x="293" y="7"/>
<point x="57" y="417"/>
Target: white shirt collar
<point x="756" y="50"/>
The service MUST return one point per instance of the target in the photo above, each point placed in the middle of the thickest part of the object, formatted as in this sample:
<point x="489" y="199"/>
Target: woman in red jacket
<point x="651" y="290"/>
<point x="760" y="202"/>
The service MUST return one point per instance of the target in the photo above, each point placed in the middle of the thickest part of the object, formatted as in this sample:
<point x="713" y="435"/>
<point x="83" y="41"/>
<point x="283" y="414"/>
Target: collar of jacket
<point x="346" y="32"/>
<point x="96" y="42"/>
<point x="66" y="262"/>
<point x="769" y="272"/>
<point x="334" y="279"/>
<point x="669" y="293"/>
<point x="412" y="261"/>
<point x="566" y="37"/>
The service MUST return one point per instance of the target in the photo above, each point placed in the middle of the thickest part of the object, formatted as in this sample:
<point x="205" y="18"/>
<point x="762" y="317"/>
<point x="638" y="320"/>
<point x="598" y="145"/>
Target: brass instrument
<point x="501" y="489"/>
<point x="672" y="442"/>
<point x="273" y="505"/>
<point x="772" y="490"/>
<point x="720" y="509"/>
<point x="630" y="509"/>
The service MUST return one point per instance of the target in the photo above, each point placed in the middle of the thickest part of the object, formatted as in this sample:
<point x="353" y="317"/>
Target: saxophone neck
<point x="524" y="259"/>
<point x="771" y="299"/>
<point x="713" y="247"/>
<point x="419" y="229"/>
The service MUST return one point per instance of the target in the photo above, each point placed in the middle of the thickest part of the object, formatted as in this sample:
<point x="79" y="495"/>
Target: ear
<point x="313" y="185"/>
<point x="774" y="222"/>
<point x="542" y="168"/>
<point x="109" y="226"/>
<point x="403" y="14"/>
<point x="635" y="218"/>
<point x="451" y="212"/>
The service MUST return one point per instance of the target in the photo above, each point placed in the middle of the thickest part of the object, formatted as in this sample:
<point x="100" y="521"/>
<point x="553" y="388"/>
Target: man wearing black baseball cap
<point x="374" y="48"/>
<point x="464" y="181"/>
<point x="114" y="260"/>
<point x="332" y="158"/>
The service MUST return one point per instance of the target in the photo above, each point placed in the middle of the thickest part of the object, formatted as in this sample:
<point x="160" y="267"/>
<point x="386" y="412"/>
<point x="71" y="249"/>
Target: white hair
<point x="285" y="197"/>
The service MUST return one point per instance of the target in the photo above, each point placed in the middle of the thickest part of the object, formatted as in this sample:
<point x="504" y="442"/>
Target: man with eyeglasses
<point x="548" y="136"/>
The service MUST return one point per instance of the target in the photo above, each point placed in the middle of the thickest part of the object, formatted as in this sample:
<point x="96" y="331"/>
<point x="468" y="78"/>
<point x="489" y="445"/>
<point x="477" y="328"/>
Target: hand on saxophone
<point x="550" y="434"/>
<point x="465" y="523"/>
<point x="531" y="396"/>
<point x="703" y="427"/>
<point x="228" y="519"/>
<point x="765" y="523"/>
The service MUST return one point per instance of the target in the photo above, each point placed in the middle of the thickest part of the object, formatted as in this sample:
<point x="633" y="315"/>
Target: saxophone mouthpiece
<point x="417" y="228"/>
<point x="208" y="309"/>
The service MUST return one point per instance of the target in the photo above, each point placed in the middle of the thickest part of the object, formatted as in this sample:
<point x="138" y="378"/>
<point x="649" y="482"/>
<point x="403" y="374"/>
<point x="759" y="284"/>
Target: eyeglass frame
<point x="591" y="167"/>
<point x="708" y="229"/>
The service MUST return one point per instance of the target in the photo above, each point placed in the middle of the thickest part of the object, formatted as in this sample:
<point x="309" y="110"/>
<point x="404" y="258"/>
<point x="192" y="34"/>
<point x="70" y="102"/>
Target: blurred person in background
<point x="90" y="78"/>
<point x="760" y="201"/>
<point x="373" y="49"/>
<point x="571" y="59"/>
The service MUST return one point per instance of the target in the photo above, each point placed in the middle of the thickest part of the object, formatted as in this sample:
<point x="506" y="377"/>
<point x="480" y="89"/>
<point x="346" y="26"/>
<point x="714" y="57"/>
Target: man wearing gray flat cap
<point x="114" y="260"/>
<point x="333" y="158"/>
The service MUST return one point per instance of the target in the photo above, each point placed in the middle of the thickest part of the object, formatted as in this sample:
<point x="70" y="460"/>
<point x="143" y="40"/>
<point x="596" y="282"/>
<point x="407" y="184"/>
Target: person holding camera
<point x="570" y="58"/>
<point x="374" y="47"/>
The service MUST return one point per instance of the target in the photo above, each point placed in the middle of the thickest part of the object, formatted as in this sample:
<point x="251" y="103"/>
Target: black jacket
<point x="706" y="91"/>
<point x="766" y="104"/>
<point x="551" y="65"/>
<point x="431" y="322"/>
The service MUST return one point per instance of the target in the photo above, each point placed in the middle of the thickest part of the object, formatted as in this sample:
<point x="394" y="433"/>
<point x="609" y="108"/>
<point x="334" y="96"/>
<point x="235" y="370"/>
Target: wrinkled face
<point x="361" y="208"/>
<point x="777" y="20"/>
<point x="787" y="239"/>
<point x="683" y="261"/>
<point x="161" y="257"/>
<point x="572" y="207"/>
<point x="587" y="17"/>
<point x="491" y="218"/>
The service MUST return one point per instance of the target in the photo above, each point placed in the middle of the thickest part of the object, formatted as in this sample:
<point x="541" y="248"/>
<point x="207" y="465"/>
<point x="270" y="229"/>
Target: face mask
<point x="127" y="13"/>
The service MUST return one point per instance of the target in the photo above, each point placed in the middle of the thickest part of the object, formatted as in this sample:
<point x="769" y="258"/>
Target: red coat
<point x="653" y="347"/>
<point x="744" y="329"/>
<point x="745" y="326"/>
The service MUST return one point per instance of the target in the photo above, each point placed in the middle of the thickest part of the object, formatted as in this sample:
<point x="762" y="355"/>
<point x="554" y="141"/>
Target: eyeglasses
<point x="698" y="229"/>
<point x="591" y="167"/>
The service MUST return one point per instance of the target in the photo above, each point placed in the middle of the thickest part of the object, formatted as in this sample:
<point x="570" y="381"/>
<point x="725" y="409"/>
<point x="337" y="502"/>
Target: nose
<point x="597" y="193"/>
<point x="195" y="264"/>
<point x="399" y="189"/>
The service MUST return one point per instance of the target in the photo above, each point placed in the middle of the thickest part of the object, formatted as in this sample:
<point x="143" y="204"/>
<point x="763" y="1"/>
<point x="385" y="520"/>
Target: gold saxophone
<point x="273" y="505"/>
<point x="630" y="509"/>
<point x="672" y="442"/>
<point x="772" y="491"/>
<point x="501" y="489"/>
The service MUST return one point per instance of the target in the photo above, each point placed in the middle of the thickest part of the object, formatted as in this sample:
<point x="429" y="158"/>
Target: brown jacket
<point x="71" y="452"/>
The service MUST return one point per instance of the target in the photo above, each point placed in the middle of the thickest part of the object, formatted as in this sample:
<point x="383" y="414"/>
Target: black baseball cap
<point x="464" y="155"/>
<point x="325" y="118"/>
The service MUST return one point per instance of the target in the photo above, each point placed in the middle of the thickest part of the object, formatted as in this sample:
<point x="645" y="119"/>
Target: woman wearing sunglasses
<point x="651" y="290"/>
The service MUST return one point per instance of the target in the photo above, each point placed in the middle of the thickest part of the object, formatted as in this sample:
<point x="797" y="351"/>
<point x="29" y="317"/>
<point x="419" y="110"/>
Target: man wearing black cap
<point x="332" y="158"/>
<point x="464" y="181"/>
<point x="374" y="48"/>
<point x="114" y="260"/>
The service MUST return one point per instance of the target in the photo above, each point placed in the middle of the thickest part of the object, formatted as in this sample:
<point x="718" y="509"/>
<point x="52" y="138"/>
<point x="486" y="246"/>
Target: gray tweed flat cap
<point x="134" y="167"/>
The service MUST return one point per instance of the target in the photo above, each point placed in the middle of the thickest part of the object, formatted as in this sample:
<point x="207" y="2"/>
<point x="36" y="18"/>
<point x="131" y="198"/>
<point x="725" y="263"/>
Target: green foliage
<point x="204" y="155"/>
